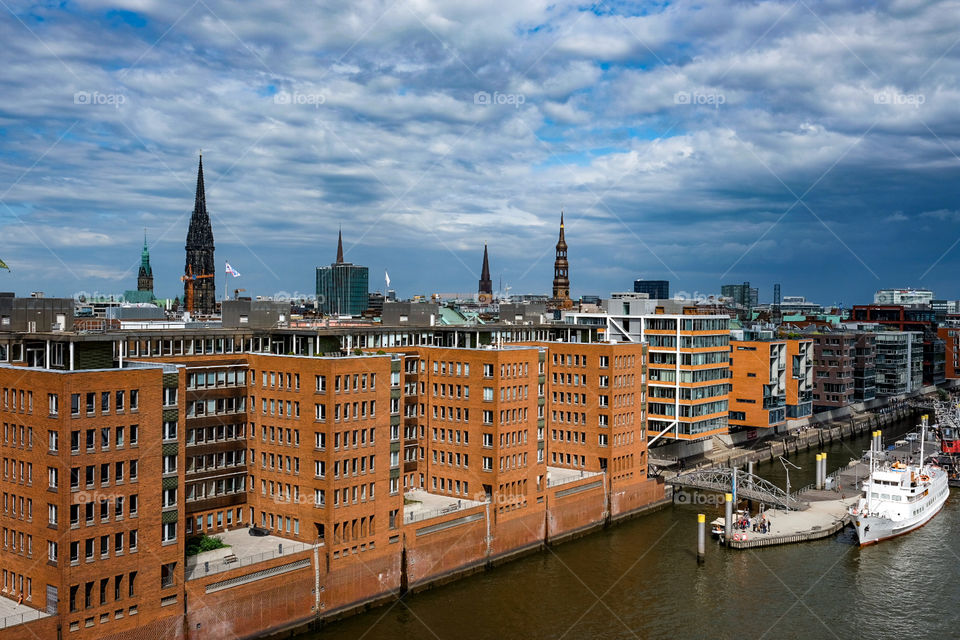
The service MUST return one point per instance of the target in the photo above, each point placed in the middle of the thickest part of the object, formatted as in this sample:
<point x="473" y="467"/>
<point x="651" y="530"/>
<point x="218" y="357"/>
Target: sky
<point x="811" y="144"/>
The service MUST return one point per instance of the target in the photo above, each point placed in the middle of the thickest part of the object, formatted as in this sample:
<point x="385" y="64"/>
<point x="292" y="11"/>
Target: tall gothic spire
<point x="485" y="288"/>
<point x="340" y="246"/>
<point x="200" y="253"/>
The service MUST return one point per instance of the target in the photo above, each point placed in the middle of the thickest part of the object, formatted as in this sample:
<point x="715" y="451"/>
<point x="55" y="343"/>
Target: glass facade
<point x="342" y="289"/>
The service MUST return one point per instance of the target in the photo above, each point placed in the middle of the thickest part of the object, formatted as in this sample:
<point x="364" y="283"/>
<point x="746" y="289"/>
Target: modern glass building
<point x="342" y="288"/>
<point x="656" y="289"/>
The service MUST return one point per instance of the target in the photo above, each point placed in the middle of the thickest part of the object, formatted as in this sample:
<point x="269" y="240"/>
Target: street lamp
<point x="785" y="463"/>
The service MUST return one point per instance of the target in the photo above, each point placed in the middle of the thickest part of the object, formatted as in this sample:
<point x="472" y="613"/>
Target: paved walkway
<point x="823" y="518"/>
<point x="12" y="614"/>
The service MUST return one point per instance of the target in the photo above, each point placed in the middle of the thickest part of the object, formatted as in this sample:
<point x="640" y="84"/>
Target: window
<point x="488" y="394"/>
<point x="75" y="404"/>
<point x="166" y="574"/>
<point x="487" y="463"/>
<point x="53" y="402"/>
<point x="134" y="401"/>
<point x="119" y="401"/>
<point x="488" y="371"/>
<point x="53" y="441"/>
<point x="52" y="551"/>
<point x="169" y="532"/>
<point x="105" y="402"/>
<point x="52" y="514"/>
<point x="53" y="476"/>
<point x="170" y="396"/>
<point x="170" y="430"/>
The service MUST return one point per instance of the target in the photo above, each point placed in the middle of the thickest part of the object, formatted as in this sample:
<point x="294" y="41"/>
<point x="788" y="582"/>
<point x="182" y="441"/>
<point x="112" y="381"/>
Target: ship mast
<point x="923" y="436"/>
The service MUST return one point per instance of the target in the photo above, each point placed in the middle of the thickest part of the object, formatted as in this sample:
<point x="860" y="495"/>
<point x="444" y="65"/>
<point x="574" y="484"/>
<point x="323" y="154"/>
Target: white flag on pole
<point x="387" y="275"/>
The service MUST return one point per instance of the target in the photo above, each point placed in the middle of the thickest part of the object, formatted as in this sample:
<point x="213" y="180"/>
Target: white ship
<point x="897" y="497"/>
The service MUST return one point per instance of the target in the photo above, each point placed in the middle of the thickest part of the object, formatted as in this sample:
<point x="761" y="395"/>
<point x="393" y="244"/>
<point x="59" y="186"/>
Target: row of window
<point x="216" y="487"/>
<point x="91" y="398"/>
<point x="17" y="542"/>
<point x="89" y="476"/>
<point x="17" y="506"/>
<point x="280" y="435"/>
<point x="215" y="407"/>
<point x="121" y="583"/>
<point x="220" y="379"/>
<point x="347" y="383"/>
<point x="17" y="471"/>
<point x="221" y="460"/>
<point x="451" y="458"/>
<point x="10" y="439"/>
<point x="88" y="439"/>
<point x="103" y="545"/>
<point x="217" y="433"/>
<point x="10" y="402"/>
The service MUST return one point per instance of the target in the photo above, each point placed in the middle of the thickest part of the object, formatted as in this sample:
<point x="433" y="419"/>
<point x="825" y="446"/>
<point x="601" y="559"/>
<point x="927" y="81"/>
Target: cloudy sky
<point x="812" y="144"/>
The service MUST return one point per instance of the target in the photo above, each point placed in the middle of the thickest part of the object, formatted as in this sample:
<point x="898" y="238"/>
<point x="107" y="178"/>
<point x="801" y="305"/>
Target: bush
<point x="199" y="544"/>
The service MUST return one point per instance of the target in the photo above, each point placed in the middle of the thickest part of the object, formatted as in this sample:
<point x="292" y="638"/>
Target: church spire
<point x="145" y="275"/>
<point x="340" y="246"/>
<point x="485" y="287"/>
<point x="200" y="253"/>
<point x="561" y="273"/>
<point x="200" y="203"/>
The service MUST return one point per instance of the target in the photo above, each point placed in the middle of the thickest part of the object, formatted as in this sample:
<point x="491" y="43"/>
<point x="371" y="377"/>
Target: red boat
<point x="949" y="441"/>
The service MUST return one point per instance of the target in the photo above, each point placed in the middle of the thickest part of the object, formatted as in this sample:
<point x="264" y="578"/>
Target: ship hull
<point x="871" y="530"/>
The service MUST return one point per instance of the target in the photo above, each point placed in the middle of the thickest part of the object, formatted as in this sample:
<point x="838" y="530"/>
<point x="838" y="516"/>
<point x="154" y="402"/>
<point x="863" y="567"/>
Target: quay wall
<point x="300" y="592"/>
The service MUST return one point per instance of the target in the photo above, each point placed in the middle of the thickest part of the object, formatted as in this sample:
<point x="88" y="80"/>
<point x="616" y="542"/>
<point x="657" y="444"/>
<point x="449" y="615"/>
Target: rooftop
<point x="244" y="549"/>
<point x="420" y="505"/>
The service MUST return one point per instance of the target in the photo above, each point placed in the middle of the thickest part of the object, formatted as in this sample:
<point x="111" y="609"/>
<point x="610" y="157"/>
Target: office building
<point x="656" y="289"/>
<point x="342" y="288"/>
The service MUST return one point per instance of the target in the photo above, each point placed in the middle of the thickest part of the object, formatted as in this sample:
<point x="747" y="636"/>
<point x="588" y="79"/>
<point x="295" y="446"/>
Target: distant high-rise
<point x="485" y="288"/>
<point x="342" y="288"/>
<point x="656" y="289"/>
<point x="741" y="294"/>
<point x="561" y="274"/>
<point x="200" y="251"/>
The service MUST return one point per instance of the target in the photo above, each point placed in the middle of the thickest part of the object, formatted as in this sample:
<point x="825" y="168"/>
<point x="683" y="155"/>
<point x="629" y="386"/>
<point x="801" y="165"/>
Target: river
<point x="640" y="579"/>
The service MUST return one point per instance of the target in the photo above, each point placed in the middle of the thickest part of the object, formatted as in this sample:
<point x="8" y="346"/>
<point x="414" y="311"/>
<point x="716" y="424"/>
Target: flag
<point x="233" y="272"/>
<point x="3" y="265"/>
<point x="387" y="275"/>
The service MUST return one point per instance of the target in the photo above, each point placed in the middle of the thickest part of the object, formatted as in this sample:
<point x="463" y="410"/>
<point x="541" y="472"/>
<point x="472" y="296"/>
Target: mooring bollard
<point x="701" y="537"/>
<point x="819" y="484"/>
<point x="728" y="518"/>
<point x="823" y="471"/>
<point x="750" y="467"/>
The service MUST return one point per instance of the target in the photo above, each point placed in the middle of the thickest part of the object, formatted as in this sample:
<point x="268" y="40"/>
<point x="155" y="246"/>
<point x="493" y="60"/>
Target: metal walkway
<point x="749" y="486"/>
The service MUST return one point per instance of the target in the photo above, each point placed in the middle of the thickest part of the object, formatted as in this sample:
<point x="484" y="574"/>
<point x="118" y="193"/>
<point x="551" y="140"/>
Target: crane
<point x="189" y="278"/>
